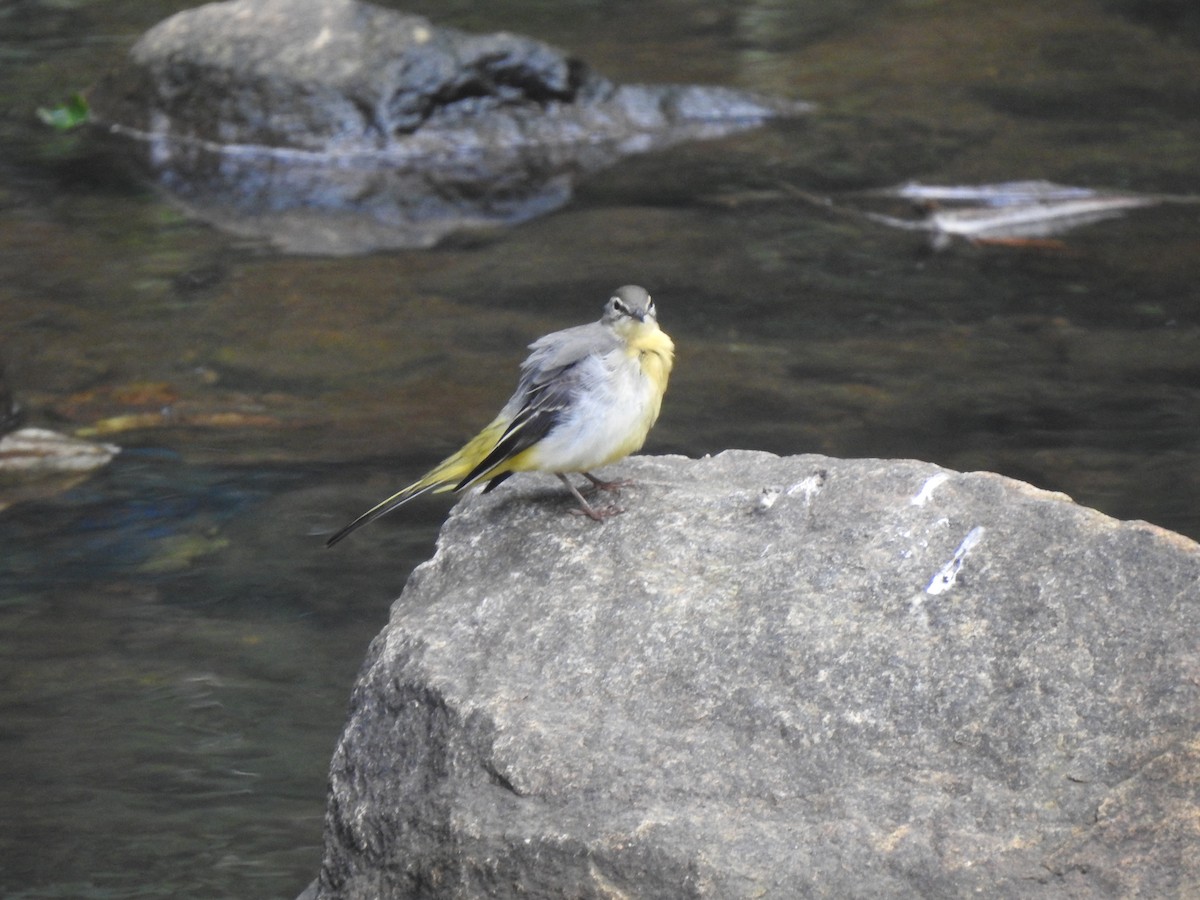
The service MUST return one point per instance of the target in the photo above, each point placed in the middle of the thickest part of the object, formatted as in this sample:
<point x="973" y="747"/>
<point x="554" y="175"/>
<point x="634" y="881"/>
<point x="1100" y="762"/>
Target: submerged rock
<point x="342" y="126"/>
<point x="37" y="463"/>
<point x="1010" y="211"/>
<point x="38" y="451"/>
<point x="778" y="677"/>
<point x="1016" y="213"/>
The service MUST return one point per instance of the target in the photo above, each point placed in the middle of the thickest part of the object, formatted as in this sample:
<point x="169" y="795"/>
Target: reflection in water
<point x="315" y="207"/>
<point x="311" y="203"/>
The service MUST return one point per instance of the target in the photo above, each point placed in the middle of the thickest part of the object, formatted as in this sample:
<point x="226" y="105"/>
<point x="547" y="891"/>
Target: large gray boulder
<point x="338" y="126"/>
<point x="779" y="678"/>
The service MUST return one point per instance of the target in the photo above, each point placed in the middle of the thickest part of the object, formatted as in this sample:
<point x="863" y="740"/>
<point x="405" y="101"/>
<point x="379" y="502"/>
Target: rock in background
<point x="779" y="677"/>
<point x="336" y="126"/>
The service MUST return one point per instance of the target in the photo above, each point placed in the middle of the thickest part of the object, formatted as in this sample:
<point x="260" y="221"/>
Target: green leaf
<point x="67" y="115"/>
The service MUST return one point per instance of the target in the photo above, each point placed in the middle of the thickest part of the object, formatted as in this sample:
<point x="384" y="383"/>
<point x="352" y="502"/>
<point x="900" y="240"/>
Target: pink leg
<point x="585" y="508"/>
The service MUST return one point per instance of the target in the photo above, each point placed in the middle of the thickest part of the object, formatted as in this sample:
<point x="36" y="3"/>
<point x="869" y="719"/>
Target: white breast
<point x="610" y="418"/>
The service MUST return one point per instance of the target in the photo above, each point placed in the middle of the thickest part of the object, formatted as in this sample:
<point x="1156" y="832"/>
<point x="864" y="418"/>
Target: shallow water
<point x="178" y="647"/>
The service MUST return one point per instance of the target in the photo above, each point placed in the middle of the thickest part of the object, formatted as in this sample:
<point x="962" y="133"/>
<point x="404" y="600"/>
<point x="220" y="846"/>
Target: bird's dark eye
<point x="620" y="307"/>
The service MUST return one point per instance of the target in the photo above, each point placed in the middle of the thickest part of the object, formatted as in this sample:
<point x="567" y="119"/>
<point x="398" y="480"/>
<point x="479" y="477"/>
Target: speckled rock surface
<point x="778" y="677"/>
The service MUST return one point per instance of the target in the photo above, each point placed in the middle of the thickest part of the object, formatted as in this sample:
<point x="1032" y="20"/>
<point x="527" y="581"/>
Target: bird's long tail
<point x="382" y="509"/>
<point x="447" y="475"/>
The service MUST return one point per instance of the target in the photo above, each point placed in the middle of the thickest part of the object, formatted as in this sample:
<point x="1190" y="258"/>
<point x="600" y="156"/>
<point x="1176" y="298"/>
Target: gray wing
<point x="565" y="348"/>
<point x="551" y="377"/>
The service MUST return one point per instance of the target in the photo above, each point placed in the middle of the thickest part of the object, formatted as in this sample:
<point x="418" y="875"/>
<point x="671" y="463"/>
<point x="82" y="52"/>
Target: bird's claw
<point x="599" y="484"/>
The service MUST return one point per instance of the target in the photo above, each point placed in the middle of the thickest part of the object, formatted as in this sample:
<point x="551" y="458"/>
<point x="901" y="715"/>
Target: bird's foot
<point x="596" y="515"/>
<point x="599" y="484"/>
<point x="585" y="508"/>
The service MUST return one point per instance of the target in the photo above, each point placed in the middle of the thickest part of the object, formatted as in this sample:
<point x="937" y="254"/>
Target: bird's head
<point x="629" y="310"/>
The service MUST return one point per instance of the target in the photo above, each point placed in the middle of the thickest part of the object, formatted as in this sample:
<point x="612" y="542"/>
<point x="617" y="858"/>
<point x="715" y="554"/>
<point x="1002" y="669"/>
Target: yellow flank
<point x="655" y="353"/>
<point x="588" y="396"/>
<point x="525" y="461"/>
<point x="454" y="469"/>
